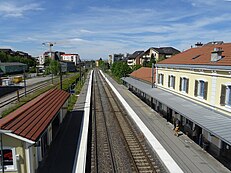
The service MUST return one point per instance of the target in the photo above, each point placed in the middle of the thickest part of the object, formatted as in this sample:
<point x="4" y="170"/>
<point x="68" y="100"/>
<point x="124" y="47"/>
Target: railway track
<point x="30" y="89"/>
<point x="116" y="145"/>
<point x="21" y="94"/>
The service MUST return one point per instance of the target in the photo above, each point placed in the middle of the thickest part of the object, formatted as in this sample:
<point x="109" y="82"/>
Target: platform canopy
<point x="214" y="122"/>
<point x="32" y="119"/>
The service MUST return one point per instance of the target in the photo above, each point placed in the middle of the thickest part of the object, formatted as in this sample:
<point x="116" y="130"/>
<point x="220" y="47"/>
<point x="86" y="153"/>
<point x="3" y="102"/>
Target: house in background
<point x="29" y="131"/>
<point x="158" y="54"/>
<point x="134" y="59"/>
<point x="71" y="57"/>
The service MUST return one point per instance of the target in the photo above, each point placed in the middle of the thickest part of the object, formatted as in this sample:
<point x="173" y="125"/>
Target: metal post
<point x="80" y="73"/>
<point x="61" y="79"/>
<point x="24" y="75"/>
<point x="2" y="157"/>
<point x="18" y="95"/>
<point x="153" y="75"/>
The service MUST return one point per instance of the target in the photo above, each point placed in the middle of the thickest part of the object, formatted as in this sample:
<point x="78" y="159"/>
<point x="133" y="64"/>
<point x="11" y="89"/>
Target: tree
<point x="120" y="69"/>
<point x="54" y="67"/>
<point x="136" y="67"/>
<point x="162" y="57"/>
<point x="152" y="61"/>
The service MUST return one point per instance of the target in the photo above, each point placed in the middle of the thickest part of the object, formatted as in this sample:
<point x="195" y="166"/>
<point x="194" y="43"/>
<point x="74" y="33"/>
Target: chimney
<point x="198" y="44"/>
<point x="216" y="54"/>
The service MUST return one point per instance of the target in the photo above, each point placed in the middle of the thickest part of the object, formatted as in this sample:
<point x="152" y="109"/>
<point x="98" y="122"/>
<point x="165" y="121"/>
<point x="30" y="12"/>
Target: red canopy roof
<point x="32" y="119"/>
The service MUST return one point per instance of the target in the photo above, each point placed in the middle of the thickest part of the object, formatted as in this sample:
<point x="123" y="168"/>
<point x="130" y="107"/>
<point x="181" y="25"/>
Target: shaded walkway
<point x="61" y="154"/>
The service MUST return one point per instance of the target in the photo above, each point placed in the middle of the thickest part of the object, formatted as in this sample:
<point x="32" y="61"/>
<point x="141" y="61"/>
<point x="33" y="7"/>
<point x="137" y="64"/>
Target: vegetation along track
<point x="116" y="146"/>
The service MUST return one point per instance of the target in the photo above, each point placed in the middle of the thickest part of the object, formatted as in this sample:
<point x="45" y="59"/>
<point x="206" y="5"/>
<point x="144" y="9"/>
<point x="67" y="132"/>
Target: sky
<point x="97" y="28"/>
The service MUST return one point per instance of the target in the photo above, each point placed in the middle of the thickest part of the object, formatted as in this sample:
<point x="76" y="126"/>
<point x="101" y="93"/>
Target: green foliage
<point x="136" y="67"/>
<point x="67" y="82"/>
<point x="103" y="65"/>
<point x="120" y="69"/>
<point x="73" y="97"/>
<point x="8" y="58"/>
<point x="152" y="61"/>
<point x="47" y="62"/>
<point x="54" y="67"/>
<point x="161" y="58"/>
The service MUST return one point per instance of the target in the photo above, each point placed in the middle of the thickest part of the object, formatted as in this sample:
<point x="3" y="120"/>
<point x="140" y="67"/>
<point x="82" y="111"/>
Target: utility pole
<point x="24" y="76"/>
<point x="61" y="78"/>
<point x="153" y="72"/>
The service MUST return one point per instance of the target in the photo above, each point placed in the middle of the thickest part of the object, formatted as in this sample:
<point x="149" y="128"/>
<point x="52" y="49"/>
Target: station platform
<point x="62" y="154"/>
<point x="190" y="157"/>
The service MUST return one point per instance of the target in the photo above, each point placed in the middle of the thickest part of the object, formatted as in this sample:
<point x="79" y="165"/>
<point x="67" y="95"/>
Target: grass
<point x="73" y="98"/>
<point x="116" y="78"/>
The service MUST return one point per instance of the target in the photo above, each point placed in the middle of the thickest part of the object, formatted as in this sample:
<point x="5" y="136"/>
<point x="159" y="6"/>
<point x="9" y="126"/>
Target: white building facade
<point x="71" y="57"/>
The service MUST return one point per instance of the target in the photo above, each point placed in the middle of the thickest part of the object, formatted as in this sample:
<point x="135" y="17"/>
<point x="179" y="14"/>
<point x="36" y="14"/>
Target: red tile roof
<point x="143" y="73"/>
<point x="201" y="56"/>
<point x="32" y="119"/>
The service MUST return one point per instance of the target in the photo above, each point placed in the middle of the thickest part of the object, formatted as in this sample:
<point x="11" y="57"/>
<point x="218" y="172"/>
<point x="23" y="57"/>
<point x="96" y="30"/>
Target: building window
<point x="161" y="79"/>
<point x="171" y="81"/>
<point x="201" y="88"/>
<point x="184" y="84"/>
<point x="225" y="95"/>
<point x="9" y="158"/>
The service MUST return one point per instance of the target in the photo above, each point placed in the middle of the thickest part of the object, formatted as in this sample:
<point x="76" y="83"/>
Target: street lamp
<point x="2" y="156"/>
<point x="153" y="73"/>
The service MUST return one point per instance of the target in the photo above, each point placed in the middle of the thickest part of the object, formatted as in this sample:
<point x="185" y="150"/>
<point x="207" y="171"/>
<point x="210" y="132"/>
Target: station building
<point x="194" y="89"/>
<point x="27" y="133"/>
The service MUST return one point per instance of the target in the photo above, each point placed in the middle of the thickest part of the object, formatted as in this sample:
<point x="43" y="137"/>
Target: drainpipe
<point x="29" y="160"/>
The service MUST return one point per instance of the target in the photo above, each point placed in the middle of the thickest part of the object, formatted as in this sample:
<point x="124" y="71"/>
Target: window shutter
<point x="174" y="82"/>
<point x="180" y="84"/>
<point x="196" y="88"/>
<point x="162" y="79"/>
<point x="158" y="78"/>
<point x="187" y="85"/>
<point x="206" y="90"/>
<point x="169" y="81"/>
<point x="223" y="93"/>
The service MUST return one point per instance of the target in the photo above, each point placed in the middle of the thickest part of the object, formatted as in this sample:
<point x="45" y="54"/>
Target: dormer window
<point x="216" y="54"/>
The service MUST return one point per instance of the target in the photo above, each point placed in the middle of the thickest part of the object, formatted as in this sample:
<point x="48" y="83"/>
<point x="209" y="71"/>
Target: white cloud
<point x="10" y="9"/>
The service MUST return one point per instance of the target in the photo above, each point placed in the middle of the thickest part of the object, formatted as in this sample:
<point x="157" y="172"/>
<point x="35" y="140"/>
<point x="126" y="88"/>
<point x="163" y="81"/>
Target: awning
<point x="212" y="121"/>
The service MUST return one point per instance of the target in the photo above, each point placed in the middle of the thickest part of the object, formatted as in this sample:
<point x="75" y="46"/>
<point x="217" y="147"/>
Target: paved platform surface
<point x="61" y="155"/>
<point x="187" y="154"/>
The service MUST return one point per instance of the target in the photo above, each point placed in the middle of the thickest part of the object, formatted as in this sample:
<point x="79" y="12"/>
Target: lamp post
<point x="153" y="72"/>
<point x="2" y="156"/>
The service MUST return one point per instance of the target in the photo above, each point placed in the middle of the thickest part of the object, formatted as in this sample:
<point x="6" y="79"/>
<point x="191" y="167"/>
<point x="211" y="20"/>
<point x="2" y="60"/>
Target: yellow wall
<point x="213" y="94"/>
<point x="18" y="145"/>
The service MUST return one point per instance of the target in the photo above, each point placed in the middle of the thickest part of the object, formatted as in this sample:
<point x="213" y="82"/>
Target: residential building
<point x="28" y="132"/>
<point x="194" y="88"/>
<point x="158" y="53"/>
<point x="118" y="57"/>
<point x="71" y="57"/>
<point x="134" y="59"/>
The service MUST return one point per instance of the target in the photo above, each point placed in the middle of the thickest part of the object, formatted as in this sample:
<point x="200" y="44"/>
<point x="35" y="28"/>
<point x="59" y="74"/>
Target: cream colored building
<point x="202" y="75"/>
<point x="193" y="89"/>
